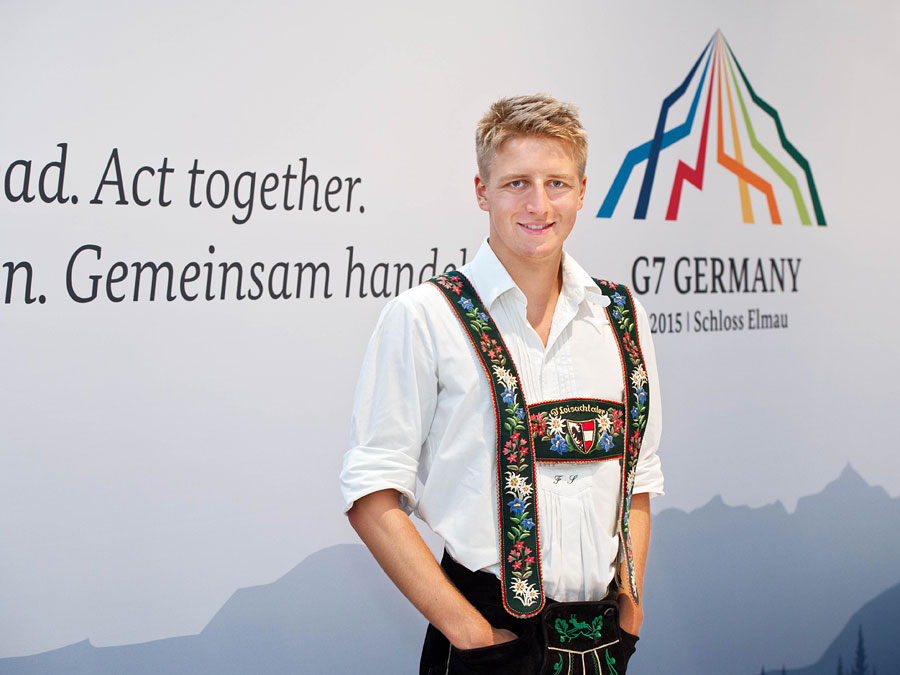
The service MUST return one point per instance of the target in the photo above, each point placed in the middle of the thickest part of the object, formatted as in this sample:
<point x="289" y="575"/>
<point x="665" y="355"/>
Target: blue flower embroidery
<point x="520" y="413"/>
<point x="481" y="316"/>
<point x="516" y="507"/>
<point x="618" y="299"/>
<point x="617" y="314"/>
<point x="465" y="303"/>
<point x="635" y="412"/>
<point x="641" y="396"/>
<point x="508" y="397"/>
<point x="527" y="523"/>
<point x="605" y="442"/>
<point x="559" y="445"/>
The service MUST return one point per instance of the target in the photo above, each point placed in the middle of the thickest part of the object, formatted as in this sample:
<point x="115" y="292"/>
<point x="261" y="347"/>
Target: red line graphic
<point x="685" y="172"/>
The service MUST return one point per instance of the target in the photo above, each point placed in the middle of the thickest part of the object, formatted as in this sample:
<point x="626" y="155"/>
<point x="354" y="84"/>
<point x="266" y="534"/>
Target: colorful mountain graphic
<point x="747" y="113"/>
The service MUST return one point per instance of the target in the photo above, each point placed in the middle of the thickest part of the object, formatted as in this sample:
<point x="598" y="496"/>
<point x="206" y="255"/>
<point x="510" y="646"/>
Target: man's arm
<point x="402" y="553"/>
<point x="630" y="615"/>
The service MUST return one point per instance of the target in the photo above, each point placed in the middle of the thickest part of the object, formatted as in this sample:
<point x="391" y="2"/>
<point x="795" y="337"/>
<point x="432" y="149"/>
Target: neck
<point x="540" y="281"/>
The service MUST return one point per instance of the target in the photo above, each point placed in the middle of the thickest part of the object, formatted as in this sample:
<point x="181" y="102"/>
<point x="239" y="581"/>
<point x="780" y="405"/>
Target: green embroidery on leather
<point x="558" y="666"/>
<point x="610" y="663"/>
<point x="573" y="628"/>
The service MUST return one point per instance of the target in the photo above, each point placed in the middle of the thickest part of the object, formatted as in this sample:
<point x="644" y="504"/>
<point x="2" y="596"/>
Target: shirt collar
<point x="578" y="284"/>
<point x="491" y="279"/>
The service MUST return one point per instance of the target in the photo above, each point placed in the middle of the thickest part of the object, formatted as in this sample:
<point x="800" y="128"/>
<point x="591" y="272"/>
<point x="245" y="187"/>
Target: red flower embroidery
<point x="538" y="425"/>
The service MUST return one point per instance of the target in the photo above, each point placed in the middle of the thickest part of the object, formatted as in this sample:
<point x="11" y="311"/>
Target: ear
<point x="480" y="193"/>
<point x="583" y="188"/>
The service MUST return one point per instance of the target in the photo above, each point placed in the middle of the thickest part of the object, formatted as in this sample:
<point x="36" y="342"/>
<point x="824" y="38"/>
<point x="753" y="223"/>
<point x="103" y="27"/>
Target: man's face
<point x="533" y="193"/>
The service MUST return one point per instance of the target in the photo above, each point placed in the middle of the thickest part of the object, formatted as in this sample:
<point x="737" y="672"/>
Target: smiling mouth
<point x="536" y="227"/>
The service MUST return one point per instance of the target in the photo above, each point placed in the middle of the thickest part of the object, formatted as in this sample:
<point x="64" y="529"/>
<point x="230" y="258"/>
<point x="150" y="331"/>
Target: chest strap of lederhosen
<point x="523" y="594"/>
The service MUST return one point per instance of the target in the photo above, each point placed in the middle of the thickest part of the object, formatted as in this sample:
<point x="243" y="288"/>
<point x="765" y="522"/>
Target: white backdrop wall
<point x="158" y="454"/>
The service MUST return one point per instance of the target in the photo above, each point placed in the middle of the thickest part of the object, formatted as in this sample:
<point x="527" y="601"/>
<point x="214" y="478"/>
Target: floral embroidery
<point x="451" y="283"/>
<point x="638" y="382"/>
<point x="637" y="401"/>
<point x="518" y="524"/>
<point x="559" y="445"/>
<point x="622" y="313"/>
<point x="538" y="424"/>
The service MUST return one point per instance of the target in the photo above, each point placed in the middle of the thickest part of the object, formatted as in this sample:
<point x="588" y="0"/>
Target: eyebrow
<point x="520" y="176"/>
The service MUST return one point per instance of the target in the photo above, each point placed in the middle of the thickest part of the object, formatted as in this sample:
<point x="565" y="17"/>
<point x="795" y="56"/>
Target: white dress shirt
<point x="423" y="410"/>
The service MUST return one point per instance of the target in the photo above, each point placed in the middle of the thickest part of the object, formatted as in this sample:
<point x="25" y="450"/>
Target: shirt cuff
<point x="367" y="470"/>
<point x="649" y="477"/>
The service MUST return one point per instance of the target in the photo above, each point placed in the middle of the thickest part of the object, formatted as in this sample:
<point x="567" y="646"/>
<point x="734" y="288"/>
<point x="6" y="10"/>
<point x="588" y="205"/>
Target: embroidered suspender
<point x="637" y="402"/>
<point x="572" y="430"/>
<point x="523" y="593"/>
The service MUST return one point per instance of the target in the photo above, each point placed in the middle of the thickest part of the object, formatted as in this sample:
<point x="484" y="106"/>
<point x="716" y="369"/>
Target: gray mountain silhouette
<point x="729" y="588"/>
<point x="880" y="621"/>
<point x="336" y="612"/>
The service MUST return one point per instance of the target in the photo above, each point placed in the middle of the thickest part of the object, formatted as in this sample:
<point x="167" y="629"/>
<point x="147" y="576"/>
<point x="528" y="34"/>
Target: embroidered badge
<point x="577" y="430"/>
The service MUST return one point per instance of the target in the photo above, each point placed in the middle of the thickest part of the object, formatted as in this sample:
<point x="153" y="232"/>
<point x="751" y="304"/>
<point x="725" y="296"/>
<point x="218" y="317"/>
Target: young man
<point x="506" y="390"/>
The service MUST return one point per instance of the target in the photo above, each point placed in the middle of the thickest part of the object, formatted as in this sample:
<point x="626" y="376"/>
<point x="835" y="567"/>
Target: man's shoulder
<point x="419" y="304"/>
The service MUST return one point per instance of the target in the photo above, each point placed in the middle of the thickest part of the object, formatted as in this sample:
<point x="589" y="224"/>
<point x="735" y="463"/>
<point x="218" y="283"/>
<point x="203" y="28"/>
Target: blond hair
<point x="537" y="114"/>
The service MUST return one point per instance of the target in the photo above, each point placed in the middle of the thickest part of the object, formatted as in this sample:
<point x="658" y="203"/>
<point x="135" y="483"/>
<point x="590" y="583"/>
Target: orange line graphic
<point x="746" y="206"/>
<point x="736" y="166"/>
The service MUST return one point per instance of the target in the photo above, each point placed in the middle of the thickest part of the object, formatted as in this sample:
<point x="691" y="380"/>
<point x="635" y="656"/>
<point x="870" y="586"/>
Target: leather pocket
<point x="583" y="637"/>
<point x="521" y="656"/>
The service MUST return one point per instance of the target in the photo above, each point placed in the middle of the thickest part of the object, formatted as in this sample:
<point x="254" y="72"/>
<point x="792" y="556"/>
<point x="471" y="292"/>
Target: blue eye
<point x="516" y="183"/>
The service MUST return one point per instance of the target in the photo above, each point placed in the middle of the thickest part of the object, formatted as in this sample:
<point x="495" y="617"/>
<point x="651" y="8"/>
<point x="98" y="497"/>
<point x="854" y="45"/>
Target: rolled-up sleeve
<point x="648" y="475"/>
<point x="393" y="407"/>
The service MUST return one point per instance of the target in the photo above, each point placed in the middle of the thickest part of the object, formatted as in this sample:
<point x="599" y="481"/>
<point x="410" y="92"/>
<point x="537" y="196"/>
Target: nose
<point x="538" y="200"/>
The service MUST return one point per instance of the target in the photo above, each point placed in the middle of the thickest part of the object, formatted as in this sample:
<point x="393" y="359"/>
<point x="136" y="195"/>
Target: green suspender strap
<point x="546" y="432"/>
<point x="523" y="594"/>
<point x="637" y="403"/>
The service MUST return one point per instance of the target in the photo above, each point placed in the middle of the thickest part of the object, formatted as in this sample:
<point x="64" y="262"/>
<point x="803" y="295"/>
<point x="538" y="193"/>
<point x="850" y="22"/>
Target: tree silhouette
<point x="763" y="671"/>
<point x="840" y="670"/>
<point x="860" y="667"/>
<point x="783" y="671"/>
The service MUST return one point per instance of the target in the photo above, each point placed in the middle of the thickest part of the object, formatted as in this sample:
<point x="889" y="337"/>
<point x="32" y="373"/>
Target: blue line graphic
<point x="640" y="212"/>
<point x="637" y="155"/>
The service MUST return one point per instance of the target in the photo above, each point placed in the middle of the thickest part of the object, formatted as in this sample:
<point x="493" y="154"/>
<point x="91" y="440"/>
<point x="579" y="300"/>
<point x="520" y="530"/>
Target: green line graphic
<point x="785" y="143"/>
<point x="777" y="166"/>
